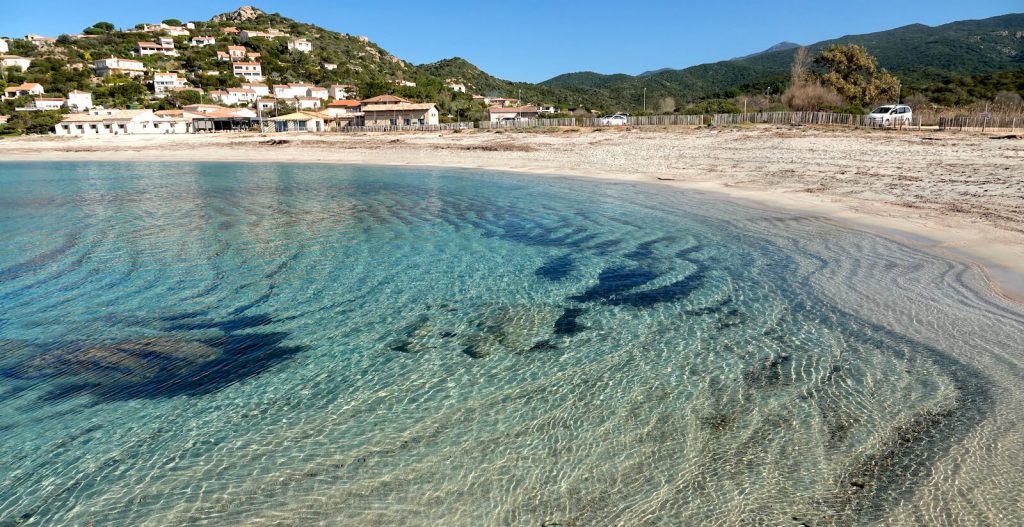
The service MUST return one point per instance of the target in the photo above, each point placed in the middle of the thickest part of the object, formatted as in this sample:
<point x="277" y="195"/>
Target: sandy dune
<point x="962" y="194"/>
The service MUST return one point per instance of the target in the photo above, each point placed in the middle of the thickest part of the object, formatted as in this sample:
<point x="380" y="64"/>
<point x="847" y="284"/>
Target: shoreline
<point x="997" y="251"/>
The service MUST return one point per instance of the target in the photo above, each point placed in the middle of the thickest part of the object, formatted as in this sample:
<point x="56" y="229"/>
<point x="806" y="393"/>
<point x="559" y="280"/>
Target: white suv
<point x="891" y="115"/>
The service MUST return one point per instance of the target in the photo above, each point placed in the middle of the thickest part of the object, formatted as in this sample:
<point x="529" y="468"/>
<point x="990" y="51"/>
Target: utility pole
<point x="645" y="99"/>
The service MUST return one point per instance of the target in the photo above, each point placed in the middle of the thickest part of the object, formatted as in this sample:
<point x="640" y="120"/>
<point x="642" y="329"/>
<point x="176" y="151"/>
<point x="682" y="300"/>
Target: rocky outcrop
<point x="242" y="14"/>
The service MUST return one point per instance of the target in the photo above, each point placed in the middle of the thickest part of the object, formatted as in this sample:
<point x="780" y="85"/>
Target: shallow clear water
<point x="212" y="344"/>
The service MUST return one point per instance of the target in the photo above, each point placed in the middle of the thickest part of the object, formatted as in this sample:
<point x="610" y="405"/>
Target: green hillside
<point x="918" y="54"/>
<point x="480" y="82"/>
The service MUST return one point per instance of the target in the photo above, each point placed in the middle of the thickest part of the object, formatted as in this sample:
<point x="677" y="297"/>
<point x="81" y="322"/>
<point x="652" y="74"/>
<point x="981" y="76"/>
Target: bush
<point x="811" y="96"/>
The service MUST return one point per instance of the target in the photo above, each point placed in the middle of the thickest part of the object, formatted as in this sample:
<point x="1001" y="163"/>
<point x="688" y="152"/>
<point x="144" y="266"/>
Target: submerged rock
<point x="128" y="361"/>
<point x="165" y="366"/>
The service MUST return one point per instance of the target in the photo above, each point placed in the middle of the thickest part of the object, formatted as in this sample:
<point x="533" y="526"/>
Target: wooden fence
<point x="993" y="123"/>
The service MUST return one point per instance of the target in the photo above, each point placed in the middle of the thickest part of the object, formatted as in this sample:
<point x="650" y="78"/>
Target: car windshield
<point x="882" y="109"/>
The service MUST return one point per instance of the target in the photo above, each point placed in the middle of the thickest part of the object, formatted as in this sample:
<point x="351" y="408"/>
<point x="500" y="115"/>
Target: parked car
<point x="891" y="115"/>
<point x="614" y="120"/>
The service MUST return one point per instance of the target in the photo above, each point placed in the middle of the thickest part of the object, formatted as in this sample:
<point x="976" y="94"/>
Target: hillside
<point x="917" y="53"/>
<point x="480" y="82"/>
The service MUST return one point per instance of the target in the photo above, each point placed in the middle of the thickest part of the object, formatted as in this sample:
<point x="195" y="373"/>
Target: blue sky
<point x="532" y="40"/>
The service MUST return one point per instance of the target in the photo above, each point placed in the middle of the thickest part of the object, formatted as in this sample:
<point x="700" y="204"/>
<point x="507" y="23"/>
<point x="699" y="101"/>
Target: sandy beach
<point x="959" y="194"/>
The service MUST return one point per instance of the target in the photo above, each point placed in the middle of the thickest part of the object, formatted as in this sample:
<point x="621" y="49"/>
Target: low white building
<point x="14" y="61"/>
<point x="329" y="67"/>
<point x="265" y="105"/>
<point x="300" y="44"/>
<point x="167" y="81"/>
<point x="250" y="71"/>
<point x="31" y="89"/>
<point x="176" y="31"/>
<point x="116" y="65"/>
<point x="246" y="34"/>
<point x="308" y="103"/>
<point x="456" y="86"/>
<point x="317" y="91"/>
<point x="3" y="46"/>
<point x="406" y="83"/>
<point x="39" y="40"/>
<point x="203" y="41"/>
<point x="118" y="122"/>
<point x="48" y="103"/>
<point x="242" y="95"/>
<point x="80" y="100"/>
<point x="299" y="89"/>
<point x="261" y="89"/>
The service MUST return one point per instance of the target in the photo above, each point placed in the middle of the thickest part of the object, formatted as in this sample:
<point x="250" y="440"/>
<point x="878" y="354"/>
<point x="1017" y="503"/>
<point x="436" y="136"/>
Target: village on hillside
<point x="256" y="104"/>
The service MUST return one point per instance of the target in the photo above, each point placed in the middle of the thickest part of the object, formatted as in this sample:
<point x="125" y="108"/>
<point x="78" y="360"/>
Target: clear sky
<point x="532" y="40"/>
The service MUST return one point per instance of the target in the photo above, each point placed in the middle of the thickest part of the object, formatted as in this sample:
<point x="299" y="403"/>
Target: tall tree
<point x="854" y="73"/>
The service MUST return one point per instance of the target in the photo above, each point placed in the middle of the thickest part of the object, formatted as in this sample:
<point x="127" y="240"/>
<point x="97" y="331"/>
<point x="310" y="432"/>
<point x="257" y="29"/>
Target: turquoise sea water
<point x="221" y="344"/>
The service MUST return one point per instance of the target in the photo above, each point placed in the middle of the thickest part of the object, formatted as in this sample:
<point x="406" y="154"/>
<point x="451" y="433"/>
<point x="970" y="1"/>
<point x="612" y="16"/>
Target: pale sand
<point x="958" y="194"/>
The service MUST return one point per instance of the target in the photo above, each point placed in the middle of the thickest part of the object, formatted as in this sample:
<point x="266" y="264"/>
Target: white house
<point x="176" y="31"/>
<point x="265" y="105"/>
<point x="300" y="44"/>
<point x="547" y="109"/>
<point x="242" y="95"/>
<point x="202" y="41"/>
<point x="250" y="71"/>
<point x="246" y="34"/>
<point x="167" y="81"/>
<point x="163" y="45"/>
<point x="261" y="89"/>
<point x="316" y="91"/>
<point x="79" y="100"/>
<point x="283" y="91"/>
<point x="329" y="67"/>
<point x="400" y="82"/>
<point x="117" y="122"/>
<point x="3" y="46"/>
<point x="236" y="52"/>
<point x="48" y="103"/>
<point x="31" y="89"/>
<point x="308" y="103"/>
<point x="115" y="65"/>
<point x="299" y="89"/>
<point x="456" y="86"/>
<point x="341" y="91"/>
<point x="14" y="61"/>
<point x="39" y="40"/>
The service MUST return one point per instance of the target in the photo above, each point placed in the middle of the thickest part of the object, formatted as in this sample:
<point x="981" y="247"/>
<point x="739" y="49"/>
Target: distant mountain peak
<point x="242" y="14"/>
<point x="781" y="46"/>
